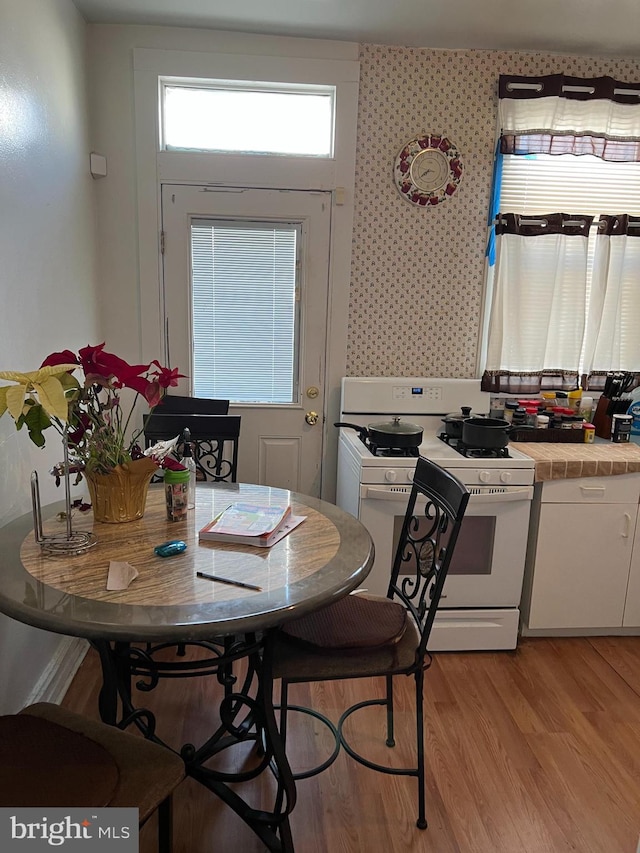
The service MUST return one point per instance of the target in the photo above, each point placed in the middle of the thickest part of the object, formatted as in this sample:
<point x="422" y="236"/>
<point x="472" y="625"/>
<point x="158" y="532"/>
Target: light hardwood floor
<point x="536" y="750"/>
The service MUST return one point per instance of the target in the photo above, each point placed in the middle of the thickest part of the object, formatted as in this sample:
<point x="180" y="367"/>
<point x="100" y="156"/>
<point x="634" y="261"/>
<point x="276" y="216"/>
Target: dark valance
<point x="573" y="88"/>
<point x="557" y="114"/>
<point x="514" y="382"/>
<point x="568" y="224"/>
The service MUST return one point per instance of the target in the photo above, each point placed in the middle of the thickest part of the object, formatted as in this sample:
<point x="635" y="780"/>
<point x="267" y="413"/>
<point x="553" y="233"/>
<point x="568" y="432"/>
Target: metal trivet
<point x="70" y="542"/>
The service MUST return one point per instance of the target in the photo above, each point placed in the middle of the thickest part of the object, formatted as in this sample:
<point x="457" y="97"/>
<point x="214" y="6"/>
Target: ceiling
<point x="588" y="27"/>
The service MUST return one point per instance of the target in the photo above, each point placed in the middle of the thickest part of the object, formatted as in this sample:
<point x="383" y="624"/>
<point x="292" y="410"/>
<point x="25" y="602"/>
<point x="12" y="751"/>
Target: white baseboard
<point x="58" y="675"/>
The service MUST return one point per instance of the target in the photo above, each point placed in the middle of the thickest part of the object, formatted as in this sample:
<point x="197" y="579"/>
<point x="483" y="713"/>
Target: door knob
<point x="311" y="418"/>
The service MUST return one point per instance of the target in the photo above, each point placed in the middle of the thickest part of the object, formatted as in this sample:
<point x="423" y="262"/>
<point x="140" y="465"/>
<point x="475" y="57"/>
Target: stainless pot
<point x="395" y="433"/>
<point x="453" y="422"/>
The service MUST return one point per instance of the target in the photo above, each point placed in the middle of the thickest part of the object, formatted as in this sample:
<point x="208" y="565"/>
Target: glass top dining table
<point x="323" y="559"/>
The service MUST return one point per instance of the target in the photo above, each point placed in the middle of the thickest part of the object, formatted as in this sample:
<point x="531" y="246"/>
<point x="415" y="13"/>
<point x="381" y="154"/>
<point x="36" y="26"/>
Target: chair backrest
<point x="172" y="403"/>
<point x="430" y="529"/>
<point x="214" y="438"/>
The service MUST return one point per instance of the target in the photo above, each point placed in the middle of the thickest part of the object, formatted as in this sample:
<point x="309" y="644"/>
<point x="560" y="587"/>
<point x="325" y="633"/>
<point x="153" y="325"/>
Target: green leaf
<point x="36" y="420"/>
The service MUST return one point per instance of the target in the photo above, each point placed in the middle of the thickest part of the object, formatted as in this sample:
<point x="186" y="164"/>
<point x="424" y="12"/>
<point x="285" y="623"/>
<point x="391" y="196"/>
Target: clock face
<point x="428" y="170"/>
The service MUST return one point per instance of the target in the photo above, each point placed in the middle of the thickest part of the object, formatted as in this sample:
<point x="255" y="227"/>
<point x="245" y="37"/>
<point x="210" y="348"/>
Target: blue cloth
<point x="494" y="206"/>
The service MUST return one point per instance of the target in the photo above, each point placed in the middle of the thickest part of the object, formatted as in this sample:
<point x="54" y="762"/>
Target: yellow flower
<point x="47" y="383"/>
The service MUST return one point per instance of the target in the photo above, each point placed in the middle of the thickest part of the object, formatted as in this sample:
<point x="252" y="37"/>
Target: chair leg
<point x="284" y="698"/>
<point x="389" y="703"/>
<point x="421" y="823"/>
<point x="165" y="825"/>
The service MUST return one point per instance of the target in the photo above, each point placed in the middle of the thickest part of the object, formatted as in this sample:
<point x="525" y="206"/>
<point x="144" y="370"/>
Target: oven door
<point x="488" y="566"/>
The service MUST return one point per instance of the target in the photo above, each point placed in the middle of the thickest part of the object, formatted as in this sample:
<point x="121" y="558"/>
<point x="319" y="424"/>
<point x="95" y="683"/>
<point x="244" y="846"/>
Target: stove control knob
<point x="484" y="476"/>
<point x="410" y="474"/>
<point x="505" y="477"/>
<point x="390" y="476"/>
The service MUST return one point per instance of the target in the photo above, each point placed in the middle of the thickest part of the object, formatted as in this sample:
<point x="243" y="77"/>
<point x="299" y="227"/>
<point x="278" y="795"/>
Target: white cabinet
<point x="632" y="603"/>
<point x="583" y="559"/>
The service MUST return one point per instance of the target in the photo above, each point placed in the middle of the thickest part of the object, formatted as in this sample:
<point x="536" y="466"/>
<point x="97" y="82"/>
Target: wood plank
<point x="535" y="750"/>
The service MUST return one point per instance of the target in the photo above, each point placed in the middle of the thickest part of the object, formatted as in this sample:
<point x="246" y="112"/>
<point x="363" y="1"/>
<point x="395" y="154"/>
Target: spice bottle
<point x="586" y="408"/>
<point x="509" y="408"/>
<point x="176" y="491"/>
<point x="574" y="398"/>
<point x="189" y="463"/>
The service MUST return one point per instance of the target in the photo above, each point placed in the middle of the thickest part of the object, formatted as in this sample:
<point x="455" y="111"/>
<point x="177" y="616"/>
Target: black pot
<point x="487" y="433"/>
<point x="453" y="422"/>
<point x="395" y="433"/>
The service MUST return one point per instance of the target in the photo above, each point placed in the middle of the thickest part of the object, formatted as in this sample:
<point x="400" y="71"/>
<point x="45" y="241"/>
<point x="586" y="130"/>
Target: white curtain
<point x="613" y="329"/>
<point x="539" y="324"/>
<point x="561" y="305"/>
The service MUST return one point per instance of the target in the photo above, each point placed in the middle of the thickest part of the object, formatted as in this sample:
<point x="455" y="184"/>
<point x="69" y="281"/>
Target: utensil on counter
<point x="396" y="433"/>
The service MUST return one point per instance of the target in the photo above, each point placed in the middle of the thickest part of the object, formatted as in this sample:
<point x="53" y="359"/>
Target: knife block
<point x="601" y="420"/>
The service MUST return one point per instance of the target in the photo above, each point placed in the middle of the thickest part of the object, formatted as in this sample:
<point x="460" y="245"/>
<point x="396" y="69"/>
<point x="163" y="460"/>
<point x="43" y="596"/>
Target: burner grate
<point x="393" y="452"/>
<point x="475" y="452"/>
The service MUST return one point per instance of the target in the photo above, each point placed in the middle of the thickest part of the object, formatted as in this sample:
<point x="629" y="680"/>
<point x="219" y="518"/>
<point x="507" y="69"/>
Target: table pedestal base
<point x="246" y="714"/>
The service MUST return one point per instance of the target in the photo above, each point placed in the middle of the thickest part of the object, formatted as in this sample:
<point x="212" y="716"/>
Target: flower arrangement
<point x="90" y="409"/>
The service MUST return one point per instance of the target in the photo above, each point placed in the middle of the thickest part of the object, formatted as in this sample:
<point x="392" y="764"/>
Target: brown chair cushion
<point x="46" y="765"/>
<point x="148" y="772"/>
<point x="353" y="622"/>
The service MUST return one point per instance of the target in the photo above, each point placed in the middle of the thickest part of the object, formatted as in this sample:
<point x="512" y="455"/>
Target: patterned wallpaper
<point x="417" y="274"/>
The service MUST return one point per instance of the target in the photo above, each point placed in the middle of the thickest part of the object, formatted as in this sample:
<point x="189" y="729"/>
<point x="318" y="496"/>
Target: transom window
<point x="250" y="118"/>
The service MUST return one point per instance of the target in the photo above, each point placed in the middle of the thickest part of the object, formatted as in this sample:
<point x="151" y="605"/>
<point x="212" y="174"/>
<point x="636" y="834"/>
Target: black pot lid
<point x="397" y="427"/>
<point x="465" y="412"/>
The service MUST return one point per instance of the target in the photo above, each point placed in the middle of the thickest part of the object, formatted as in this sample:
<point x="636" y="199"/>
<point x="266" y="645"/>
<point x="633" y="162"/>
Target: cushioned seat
<point x="363" y="636"/>
<point x="54" y="757"/>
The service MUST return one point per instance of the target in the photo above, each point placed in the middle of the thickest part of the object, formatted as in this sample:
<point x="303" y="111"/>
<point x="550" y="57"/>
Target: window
<point x="563" y="286"/>
<point x="245" y="310"/>
<point x="256" y="118"/>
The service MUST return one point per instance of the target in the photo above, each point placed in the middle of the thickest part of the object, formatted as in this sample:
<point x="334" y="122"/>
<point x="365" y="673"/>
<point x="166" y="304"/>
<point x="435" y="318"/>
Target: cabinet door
<point x="582" y="565"/>
<point x="632" y="604"/>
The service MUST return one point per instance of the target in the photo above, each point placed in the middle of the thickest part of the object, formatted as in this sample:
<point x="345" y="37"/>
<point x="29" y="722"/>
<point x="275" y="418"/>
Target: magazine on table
<point x="251" y="524"/>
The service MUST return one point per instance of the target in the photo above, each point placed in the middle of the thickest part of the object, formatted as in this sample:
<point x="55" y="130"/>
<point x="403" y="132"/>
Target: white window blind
<point x="545" y="183"/>
<point x="245" y="310"/>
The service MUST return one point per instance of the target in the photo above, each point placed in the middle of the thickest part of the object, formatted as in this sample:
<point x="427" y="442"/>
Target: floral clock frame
<point x="428" y="170"/>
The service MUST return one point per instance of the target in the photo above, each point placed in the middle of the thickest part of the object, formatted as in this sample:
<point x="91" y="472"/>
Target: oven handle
<point x="382" y="493"/>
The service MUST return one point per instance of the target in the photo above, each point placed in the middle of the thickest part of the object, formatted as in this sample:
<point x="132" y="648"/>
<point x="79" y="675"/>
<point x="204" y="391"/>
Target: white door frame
<point x="154" y="167"/>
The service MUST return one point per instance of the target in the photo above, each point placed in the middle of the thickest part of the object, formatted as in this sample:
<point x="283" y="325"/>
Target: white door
<point x="271" y="364"/>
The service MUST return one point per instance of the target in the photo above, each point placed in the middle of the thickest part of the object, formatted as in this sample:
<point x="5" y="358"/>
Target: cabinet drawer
<point x="624" y="488"/>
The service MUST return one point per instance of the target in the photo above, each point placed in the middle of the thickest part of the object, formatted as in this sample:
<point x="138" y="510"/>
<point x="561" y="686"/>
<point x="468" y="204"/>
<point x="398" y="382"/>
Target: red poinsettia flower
<point x="64" y="357"/>
<point x="98" y="363"/>
<point x="166" y="377"/>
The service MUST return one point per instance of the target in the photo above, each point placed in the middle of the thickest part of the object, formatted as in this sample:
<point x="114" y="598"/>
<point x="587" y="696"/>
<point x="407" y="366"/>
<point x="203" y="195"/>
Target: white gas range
<point x="480" y="603"/>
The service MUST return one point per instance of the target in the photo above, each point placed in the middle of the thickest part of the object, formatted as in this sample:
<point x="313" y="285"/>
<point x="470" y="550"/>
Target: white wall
<point x="47" y="258"/>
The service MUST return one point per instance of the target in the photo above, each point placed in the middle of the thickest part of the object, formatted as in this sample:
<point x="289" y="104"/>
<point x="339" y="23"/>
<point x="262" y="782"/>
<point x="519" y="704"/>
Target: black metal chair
<point x="53" y="757"/>
<point x="175" y="403"/>
<point x="362" y="636"/>
<point x="214" y="437"/>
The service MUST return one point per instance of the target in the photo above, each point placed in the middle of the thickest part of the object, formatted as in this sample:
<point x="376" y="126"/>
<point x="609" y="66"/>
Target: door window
<point x="245" y="316"/>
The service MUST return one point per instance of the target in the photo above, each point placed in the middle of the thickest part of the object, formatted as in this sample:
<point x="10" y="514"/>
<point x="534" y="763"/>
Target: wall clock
<point x="428" y="170"/>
